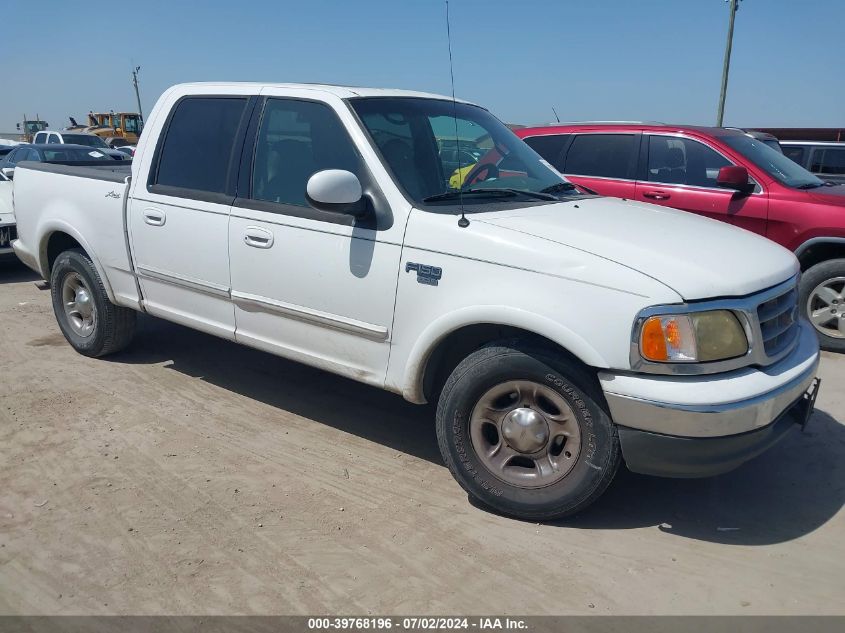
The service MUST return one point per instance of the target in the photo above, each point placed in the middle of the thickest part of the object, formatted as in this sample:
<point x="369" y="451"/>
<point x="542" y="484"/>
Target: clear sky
<point x="590" y="59"/>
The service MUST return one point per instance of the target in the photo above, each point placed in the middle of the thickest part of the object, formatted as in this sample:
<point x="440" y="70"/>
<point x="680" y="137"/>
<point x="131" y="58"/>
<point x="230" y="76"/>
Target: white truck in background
<point x="559" y="333"/>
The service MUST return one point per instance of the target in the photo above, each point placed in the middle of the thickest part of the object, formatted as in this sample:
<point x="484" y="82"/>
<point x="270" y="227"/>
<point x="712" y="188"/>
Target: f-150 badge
<point x="428" y="275"/>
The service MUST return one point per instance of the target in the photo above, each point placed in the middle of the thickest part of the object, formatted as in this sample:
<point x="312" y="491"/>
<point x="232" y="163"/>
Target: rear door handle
<point x="154" y="217"/>
<point x="258" y="237"/>
<point x="656" y="195"/>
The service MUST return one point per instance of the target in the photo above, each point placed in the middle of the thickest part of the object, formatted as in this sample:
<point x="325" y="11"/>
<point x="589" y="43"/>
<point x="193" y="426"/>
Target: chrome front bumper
<point x="711" y="422"/>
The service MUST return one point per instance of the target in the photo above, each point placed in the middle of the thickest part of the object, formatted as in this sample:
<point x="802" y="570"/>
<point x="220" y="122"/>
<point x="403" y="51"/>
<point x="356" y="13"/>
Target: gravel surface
<point x="188" y="475"/>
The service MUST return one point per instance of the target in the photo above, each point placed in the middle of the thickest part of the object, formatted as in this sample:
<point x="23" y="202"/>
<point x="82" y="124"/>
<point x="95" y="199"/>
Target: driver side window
<point x="297" y="139"/>
<point x="683" y="161"/>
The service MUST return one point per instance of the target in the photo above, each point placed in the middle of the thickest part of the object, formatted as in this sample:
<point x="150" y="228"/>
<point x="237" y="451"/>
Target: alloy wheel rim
<point x="79" y="305"/>
<point x="826" y="307"/>
<point x="525" y="434"/>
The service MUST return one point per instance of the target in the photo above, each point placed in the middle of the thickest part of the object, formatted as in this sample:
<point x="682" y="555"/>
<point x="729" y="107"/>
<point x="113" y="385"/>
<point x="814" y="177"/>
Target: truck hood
<point x="697" y="257"/>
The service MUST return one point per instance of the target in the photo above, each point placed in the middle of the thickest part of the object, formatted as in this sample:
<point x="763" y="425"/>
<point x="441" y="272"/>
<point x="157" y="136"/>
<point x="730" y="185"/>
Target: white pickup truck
<point x="559" y="332"/>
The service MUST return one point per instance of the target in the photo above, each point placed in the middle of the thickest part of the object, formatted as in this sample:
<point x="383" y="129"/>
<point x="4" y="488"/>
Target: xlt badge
<point x="428" y="275"/>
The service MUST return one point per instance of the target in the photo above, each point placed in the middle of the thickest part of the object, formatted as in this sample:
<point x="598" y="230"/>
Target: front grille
<point x="7" y="235"/>
<point x="778" y="319"/>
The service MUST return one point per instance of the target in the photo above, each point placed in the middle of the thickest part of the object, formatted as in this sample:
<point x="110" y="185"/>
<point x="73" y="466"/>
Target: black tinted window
<point x="296" y="140"/>
<point x="795" y="153"/>
<point x="828" y="161"/>
<point x="198" y="143"/>
<point x="549" y="147"/>
<point x="682" y="161"/>
<point x="606" y="155"/>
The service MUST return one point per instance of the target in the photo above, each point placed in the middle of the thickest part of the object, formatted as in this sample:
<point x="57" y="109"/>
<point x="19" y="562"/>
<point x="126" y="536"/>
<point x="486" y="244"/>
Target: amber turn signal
<point x="653" y="340"/>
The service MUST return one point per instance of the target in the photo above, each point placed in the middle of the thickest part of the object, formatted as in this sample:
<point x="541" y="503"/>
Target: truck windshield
<point x="772" y="162"/>
<point x="436" y="148"/>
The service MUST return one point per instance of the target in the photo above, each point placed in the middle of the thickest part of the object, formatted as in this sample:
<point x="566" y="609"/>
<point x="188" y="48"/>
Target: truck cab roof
<point x="344" y="92"/>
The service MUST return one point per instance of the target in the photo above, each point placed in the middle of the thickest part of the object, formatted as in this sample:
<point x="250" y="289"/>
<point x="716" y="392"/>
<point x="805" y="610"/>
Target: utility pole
<point x="137" y="94"/>
<point x="734" y="7"/>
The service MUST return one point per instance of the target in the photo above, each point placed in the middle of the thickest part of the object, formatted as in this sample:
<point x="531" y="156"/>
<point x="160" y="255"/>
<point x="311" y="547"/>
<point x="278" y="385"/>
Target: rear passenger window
<point x="682" y="161"/>
<point x="828" y="161"/>
<point x="549" y="147"/>
<point x="199" y="142"/>
<point x="604" y="155"/>
<point x="54" y="139"/>
<point x="794" y="153"/>
<point x="297" y="139"/>
<point x="40" y="138"/>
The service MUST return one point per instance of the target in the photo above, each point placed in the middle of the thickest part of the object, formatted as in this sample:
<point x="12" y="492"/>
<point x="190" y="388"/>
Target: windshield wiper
<point x="567" y="186"/>
<point x="810" y="185"/>
<point x="490" y="192"/>
<point x="539" y="195"/>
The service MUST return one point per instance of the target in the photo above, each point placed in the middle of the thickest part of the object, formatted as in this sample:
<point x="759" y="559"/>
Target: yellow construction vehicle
<point x="125" y="125"/>
<point x="31" y="127"/>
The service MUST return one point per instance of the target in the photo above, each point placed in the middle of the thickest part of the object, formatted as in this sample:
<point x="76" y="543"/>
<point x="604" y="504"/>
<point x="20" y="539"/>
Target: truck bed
<point x="95" y="169"/>
<point x="84" y="202"/>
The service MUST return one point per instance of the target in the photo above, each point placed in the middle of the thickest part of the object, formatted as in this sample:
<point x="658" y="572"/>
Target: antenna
<point x="556" y="116"/>
<point x="463" y="222"/>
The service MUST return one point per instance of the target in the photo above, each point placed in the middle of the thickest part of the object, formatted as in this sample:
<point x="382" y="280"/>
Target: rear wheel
<point x="524" y="431"/>
<point x="822" y="297"/>
<point x="92" y="324"/>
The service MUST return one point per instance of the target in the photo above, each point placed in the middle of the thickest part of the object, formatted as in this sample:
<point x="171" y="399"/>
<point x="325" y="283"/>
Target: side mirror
<point x="735" y="177"/>
<point x="9" y="172"/>
<point x="337" y="191"/>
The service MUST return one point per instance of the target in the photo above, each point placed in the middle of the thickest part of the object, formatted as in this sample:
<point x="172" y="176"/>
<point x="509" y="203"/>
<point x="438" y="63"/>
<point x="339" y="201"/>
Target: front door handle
<point x="154" y="217"/>
<point x="656" y="195"/>
<point x="258" y="237"/>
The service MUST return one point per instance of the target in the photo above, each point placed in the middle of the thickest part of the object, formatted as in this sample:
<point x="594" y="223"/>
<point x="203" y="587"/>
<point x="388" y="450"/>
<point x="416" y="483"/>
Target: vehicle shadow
<point x="311" y="393"/>
<point x="12" y="271"/>
<point x="787" y="492"/>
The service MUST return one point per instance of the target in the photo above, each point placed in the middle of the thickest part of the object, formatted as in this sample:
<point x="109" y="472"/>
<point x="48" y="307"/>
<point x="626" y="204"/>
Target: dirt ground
<point x="189" y="475"/>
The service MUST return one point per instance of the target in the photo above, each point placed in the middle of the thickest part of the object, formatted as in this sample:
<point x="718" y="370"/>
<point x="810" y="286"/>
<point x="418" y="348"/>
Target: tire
<point x="94" y="326"/>
<point x="821" y="297"/>
<point x="519" y="480"/>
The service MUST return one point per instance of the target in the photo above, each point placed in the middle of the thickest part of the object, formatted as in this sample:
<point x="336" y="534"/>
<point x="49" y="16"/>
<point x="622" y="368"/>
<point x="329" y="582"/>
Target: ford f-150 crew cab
<point x="559" y="333"/>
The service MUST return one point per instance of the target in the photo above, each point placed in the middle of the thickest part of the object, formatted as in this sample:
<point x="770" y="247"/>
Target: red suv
<point x="724" y="174"/>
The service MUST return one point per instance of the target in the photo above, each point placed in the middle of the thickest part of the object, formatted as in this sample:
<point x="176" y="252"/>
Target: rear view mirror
<point x="735" y="177"/>
<point x="337" y="191"/>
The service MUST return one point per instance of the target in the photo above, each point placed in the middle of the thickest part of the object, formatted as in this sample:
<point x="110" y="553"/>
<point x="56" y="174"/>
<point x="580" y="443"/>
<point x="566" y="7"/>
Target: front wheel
<point x="822" y="297"/>
<point x="523" y="430"/>
<point x="92" y="324"/>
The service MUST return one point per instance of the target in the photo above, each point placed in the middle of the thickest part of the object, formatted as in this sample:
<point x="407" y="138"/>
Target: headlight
<point x="692" y="338"/>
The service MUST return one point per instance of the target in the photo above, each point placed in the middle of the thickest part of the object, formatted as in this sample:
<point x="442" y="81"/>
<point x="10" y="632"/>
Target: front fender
<point x="436" y="331"/>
